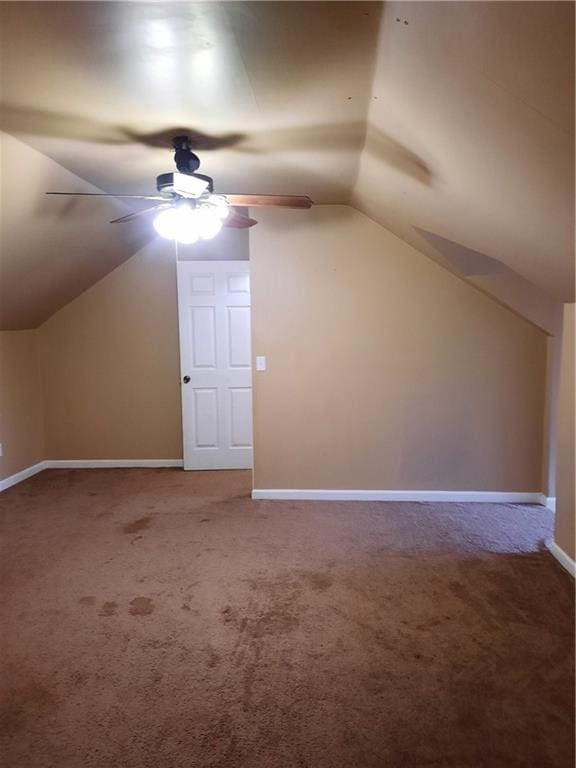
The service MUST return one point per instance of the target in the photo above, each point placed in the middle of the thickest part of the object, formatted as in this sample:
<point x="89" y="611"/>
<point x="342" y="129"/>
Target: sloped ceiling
<point x="52" y="249"/>
<point x="279" y="90"/>
<point x="482" y="95"/>
<point x="274" y="94"/>
<point x="469" y="108"/>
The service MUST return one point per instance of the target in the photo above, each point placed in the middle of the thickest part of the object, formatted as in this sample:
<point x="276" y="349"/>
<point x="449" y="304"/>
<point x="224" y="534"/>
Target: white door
<point x="215" y="364"/>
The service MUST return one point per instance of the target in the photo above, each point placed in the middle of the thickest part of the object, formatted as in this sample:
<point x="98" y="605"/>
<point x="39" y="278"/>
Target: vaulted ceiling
<point x="482" y="95"/>
<point x="450" y="123"/>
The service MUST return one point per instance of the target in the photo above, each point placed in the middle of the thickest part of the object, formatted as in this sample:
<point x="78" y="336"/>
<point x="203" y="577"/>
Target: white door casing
<point x="215" y="352"/>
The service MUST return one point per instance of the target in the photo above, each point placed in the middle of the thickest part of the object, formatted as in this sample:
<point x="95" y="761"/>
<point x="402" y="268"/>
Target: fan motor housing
<point x="184" y="184"/>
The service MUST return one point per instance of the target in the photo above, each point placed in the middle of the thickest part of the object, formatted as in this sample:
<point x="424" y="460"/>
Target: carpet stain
<point x="88" y="600"/>
<point x="213" y="658"/>
<point x="254" y="621"/>
<point x="141" y="606"/>
<point x="185" y="607"/>
<point x="24" y="705"/>
<point x="167" y="642"/>
<point x="78" y="678"/>
<point x="318" y="581"/>
<point x="137" y="525"/>
<point x="108" y="609"/>
<point x="274" y="621"/>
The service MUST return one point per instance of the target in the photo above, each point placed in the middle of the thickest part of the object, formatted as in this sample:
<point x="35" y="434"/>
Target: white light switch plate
<point x="260" y="362"/>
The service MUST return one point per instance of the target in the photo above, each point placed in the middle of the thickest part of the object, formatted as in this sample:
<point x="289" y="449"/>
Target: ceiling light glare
<point x="177" y="224"/>
<point x="219" y="205"/>
<point x="186" y="225"/>
<point x="208" y="223"/>
<point x="164" y="223"/>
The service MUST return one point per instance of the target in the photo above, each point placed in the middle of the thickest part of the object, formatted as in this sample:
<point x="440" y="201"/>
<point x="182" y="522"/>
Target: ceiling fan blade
<point x="270" y="201"/>
<point x="107" y="194"/>
<point x="238" y="221"/>
<point x="136" y="214"/>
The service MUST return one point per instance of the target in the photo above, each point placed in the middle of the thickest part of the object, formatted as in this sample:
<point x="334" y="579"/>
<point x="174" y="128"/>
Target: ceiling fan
<point x="187" y="209"/>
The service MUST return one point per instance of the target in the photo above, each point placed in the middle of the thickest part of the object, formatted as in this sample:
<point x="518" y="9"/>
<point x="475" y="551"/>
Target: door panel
<point x="203" y="337"/>
<point x="205" y="421"/>
<point x="215" y="353"/>
<point x="240" y="421"/>
<point x="239" y="337"/>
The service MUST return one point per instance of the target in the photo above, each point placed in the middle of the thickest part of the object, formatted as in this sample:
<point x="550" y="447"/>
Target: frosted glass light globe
<point x="219" y="205"/>
<point x="165" y="223"/>
<point x="208" y="223"/>
<point x="177" y="224"/>
<point x="186" y="225"/>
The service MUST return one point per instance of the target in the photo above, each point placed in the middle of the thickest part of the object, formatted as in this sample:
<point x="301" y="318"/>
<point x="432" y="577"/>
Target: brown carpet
<point x="162" y="619"/>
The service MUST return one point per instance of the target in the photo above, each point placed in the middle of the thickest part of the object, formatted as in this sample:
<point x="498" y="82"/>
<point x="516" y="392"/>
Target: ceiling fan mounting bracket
<point x="187" y="164"/>
<point x="186" y="185"/>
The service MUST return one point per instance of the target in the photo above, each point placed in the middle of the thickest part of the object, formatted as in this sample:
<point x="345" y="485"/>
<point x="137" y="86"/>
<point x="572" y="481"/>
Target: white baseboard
<point x="564" y="559"/>
<point x="550" y="503"/>
<point x="312" y="494"/>
<point x="111" y="463"/>
<point x="8" y="482"/>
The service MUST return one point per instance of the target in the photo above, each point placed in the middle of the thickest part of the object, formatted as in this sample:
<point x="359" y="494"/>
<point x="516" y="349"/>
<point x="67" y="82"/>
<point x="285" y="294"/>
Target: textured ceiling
<point x="469" y="108"/>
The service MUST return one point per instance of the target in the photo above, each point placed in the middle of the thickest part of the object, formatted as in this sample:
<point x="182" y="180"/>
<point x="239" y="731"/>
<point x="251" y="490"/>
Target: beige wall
<point x="565" y="461"/>
<point x="110" y="365"/>
<point x="385" y="371"/>
<point x="553" y="360"/>
<point x="21" y="417"/>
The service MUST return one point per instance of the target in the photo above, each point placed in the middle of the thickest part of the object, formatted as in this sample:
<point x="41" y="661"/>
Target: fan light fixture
<point x="186" y="224"/>
<point x="186" y="208"/>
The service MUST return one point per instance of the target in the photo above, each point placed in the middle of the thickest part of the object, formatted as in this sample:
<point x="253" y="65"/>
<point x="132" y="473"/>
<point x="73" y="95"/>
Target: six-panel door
<point x="215" y="352"/>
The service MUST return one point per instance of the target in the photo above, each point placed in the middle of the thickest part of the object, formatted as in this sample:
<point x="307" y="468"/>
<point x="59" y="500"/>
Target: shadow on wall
<point x="394" y="154"/>
<point x="323" y="137"/>
<point x="502" y="282"/>
<point x="286" y="220"/>
<point x="36" y="122"/>
<point x="467" y="262"/>
<point x="130" y="237"/>
<point x="290" y="175"/>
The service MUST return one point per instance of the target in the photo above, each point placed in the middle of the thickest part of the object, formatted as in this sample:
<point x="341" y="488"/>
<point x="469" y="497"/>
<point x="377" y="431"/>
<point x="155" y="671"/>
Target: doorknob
<point x="186" y="379"/>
